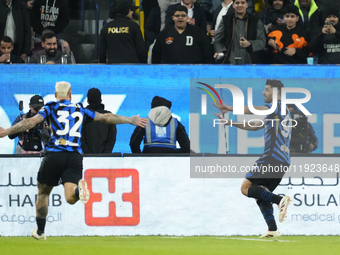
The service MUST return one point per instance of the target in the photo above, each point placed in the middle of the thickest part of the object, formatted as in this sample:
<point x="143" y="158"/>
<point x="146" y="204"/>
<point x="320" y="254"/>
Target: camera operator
<point x="31" y="141"/>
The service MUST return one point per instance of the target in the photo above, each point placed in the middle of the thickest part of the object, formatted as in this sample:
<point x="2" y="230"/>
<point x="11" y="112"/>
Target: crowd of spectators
<point x="25" y="24"/>
<point x="230" y="31"/>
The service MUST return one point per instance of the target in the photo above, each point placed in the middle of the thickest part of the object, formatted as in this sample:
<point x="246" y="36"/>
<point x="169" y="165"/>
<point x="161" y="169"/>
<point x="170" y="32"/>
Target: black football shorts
<point x="60" y="167"/>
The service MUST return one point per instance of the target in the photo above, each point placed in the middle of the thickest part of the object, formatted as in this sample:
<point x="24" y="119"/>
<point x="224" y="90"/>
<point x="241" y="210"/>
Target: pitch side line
<point x="253" y="239"/>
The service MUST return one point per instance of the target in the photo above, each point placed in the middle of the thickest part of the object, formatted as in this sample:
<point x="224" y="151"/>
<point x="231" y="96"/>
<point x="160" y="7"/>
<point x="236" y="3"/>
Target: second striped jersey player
<point x="276" y="155"/>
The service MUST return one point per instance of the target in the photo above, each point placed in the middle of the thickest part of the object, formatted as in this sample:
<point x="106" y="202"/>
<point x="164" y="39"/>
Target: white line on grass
<point x="253" y="239"/>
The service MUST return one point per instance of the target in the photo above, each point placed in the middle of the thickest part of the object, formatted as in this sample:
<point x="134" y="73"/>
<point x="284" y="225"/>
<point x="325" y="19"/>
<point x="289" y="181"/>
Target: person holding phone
<point x="240" y="37"/>
<point x="327" y="43"/>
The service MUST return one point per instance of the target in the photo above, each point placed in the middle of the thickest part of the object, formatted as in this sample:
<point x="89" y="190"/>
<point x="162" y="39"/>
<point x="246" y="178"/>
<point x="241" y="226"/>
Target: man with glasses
<point x="196" y="14"/>
<point x="182" y="43"/>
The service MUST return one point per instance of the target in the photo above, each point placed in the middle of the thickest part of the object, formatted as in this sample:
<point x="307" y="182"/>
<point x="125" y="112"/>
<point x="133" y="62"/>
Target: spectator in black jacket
<point x="272" y="16"/>
<point x="29" y="3"/>
<point x="53" y="14"/>
<point x="182" y="43"/>
<point x="148" y="6"/>
<point x="322" y="3"/>
<point x="155" y="23"/>
<point x="15" y="23"/>
<point x="121" y="39"/>
<point x="162" y="131"/>
<point x="226" y="7"/>
<point x="288" y="43"/>
<point x="97" y="137"/>
<point x="153" y="26"/>
<point x="327" y="42"/>
<point x="310" y="16"/>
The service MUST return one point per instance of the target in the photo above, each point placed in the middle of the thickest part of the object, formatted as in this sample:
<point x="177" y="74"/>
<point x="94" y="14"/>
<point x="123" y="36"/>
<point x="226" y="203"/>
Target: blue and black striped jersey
<point x="65" y="121"/>
<point x="277" y="133"/>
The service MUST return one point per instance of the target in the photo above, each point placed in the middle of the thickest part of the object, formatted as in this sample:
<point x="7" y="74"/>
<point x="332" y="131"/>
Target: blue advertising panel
<point x="208" y="136"/>
<point x="128" y="90"/>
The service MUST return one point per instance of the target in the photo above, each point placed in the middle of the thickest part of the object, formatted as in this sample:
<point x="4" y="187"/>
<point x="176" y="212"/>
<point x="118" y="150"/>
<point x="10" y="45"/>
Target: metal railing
<point x="96" y="41"/>
<point x="82" y="16"/>
<point x="82" y="25"/>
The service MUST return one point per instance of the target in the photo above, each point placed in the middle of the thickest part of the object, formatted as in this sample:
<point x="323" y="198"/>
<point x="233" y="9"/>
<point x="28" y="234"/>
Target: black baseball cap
<point x="124" y="6"/>
<point x="36" y="101"/>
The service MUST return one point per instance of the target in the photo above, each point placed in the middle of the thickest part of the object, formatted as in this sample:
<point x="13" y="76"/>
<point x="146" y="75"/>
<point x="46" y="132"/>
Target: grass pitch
<point x="169" y="245"/>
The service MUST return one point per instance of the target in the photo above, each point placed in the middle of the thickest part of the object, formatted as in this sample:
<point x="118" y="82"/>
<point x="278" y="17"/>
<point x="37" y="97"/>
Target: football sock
<point x="41" y="225"/>
<point x="262" y="194"/>
<point x="267" y="212"/>
<point x="76" y="192"/>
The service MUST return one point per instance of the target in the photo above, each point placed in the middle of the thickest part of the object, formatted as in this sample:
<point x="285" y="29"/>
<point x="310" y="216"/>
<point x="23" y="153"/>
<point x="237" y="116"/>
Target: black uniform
<point x="98" y="137"/>
<point x="123" y="42"/>
<point x="190" y="47"/>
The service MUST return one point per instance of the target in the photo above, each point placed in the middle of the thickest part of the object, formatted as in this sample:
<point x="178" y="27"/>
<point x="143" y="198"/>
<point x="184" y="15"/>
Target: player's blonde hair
<point x="62" y="88"/>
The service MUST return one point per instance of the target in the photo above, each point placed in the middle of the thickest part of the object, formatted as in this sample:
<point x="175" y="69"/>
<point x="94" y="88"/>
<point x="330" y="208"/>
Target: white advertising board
<point x="151" y="196"/>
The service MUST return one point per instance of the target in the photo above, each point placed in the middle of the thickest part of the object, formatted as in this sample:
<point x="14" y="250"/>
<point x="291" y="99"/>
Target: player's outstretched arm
<point x="223" y="107"/>
<point x="110" y="118"/>
<point x="22" y="126"/>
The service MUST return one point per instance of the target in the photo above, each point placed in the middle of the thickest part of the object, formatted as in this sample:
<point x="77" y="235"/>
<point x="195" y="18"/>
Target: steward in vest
<point x="161" y="132"/>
